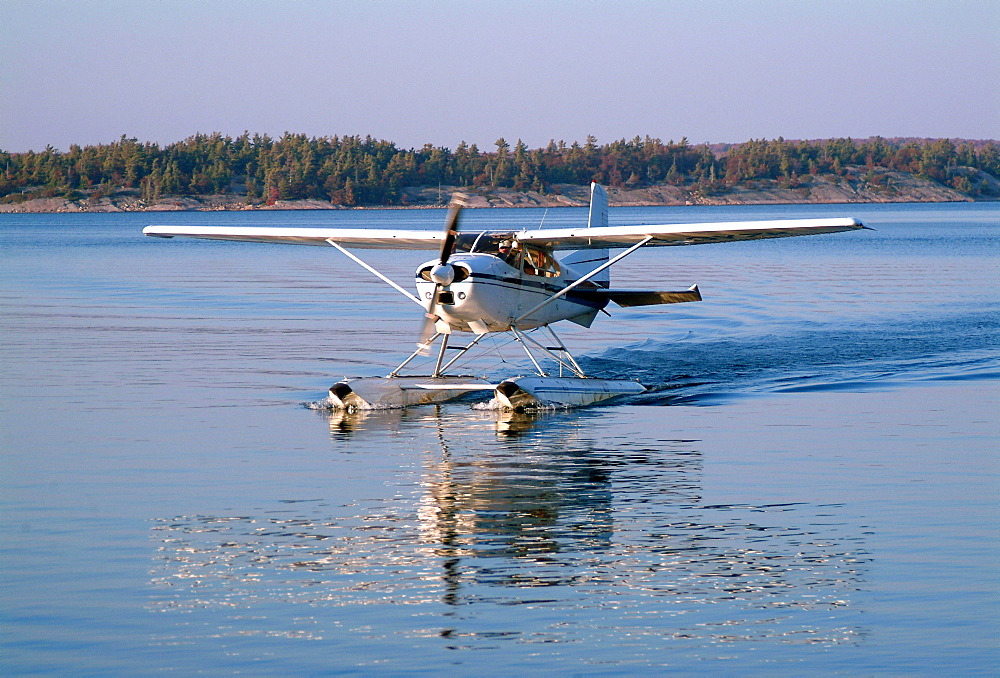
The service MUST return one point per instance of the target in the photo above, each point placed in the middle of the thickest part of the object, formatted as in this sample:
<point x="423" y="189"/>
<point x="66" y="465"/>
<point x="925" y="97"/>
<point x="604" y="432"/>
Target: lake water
<point x="811" y="486"/>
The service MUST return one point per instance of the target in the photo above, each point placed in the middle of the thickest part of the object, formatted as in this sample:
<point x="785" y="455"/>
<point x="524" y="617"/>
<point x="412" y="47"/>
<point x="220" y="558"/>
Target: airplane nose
<point x="443" y="274"/>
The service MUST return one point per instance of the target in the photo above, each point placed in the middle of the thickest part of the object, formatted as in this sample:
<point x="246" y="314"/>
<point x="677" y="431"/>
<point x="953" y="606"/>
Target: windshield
<point x="504" y="244"/>
<point x="486" y="243"/>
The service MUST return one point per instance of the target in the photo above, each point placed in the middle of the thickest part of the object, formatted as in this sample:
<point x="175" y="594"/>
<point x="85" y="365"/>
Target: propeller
<point x="442" y="274"/>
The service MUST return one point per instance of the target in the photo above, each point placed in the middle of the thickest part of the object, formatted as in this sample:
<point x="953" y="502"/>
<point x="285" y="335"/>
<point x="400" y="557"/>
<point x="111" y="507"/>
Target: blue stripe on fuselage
<point x="539" y="287"/>
<point x="588" y="302"/>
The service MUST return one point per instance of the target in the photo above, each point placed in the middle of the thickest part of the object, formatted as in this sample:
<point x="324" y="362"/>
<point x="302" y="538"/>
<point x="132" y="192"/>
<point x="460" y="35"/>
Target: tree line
<point x="351" y="170"/>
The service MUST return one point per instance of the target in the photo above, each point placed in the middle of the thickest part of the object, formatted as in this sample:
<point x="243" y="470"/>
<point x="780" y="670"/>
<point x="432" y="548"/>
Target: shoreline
<point x="856" y="186"/>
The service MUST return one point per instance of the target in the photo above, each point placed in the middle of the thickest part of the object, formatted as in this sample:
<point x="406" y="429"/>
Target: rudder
<point x="586" y="261"/>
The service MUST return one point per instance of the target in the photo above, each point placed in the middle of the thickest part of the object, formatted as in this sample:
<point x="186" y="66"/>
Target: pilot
<point x="508" y="251"/>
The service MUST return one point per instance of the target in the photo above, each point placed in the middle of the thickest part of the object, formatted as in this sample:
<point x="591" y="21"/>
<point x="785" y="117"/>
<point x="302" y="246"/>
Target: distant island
<point x="216" y="172"/>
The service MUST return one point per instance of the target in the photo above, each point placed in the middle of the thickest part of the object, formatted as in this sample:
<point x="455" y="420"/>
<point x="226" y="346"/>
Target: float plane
<point x="494" y="281"/>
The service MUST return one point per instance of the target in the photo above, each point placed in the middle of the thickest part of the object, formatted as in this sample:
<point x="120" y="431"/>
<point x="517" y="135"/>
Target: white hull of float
<point x="527" y="393"/>
<point x="376" y="393"/>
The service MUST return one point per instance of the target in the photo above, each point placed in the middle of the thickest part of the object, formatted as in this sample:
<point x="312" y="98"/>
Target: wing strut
<point x="584" y="279"/>
<point x="409" y="295"/>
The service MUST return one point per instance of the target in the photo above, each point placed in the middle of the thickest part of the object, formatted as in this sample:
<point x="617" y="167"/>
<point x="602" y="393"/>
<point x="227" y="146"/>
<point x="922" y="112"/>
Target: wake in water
<point x="865" y="357"/>
<point x="862" y="358"/>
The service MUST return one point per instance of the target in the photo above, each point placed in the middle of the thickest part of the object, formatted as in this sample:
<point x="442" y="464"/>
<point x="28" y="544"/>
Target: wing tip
<point x="154" y="232"/>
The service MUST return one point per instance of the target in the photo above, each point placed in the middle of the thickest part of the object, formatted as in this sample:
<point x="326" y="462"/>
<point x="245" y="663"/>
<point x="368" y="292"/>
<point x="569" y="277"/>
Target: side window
<point x="514" y="258"/>
<point x="540" y="263"/>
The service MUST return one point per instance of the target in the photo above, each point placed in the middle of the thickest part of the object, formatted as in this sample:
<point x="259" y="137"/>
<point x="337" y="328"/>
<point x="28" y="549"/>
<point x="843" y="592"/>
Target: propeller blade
<point x="451" y="226"/>
<point x="428" y="330"/>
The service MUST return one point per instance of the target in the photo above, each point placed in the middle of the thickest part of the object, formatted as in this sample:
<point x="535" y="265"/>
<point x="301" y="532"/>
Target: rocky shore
<point x="857" y="185"/>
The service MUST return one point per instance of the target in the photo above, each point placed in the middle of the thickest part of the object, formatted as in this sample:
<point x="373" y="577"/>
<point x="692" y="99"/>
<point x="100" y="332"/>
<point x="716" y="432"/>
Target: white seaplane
<point x="489" y="281"/>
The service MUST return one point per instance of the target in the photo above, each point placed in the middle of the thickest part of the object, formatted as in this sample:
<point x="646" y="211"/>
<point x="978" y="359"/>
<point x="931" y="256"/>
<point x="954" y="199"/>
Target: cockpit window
<point x="532" y="260"/>
<point x="539" y="262"/>
<point x="487" y="243"/>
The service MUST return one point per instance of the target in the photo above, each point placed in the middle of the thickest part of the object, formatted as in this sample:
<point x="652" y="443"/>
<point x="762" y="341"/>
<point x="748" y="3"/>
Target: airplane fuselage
<point x="490" y="292"/>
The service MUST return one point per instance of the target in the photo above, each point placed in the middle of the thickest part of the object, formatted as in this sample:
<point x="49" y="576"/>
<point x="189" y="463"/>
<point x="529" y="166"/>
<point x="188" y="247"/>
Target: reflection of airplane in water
<point x="544" y="517"/>
<point x="520" y="505"/>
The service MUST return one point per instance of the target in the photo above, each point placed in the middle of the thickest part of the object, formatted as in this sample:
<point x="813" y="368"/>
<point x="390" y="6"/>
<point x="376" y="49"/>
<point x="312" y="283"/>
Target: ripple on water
<point x="578" y="534"/>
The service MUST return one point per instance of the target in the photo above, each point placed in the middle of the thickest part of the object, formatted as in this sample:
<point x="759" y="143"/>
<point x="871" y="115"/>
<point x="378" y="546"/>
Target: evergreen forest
<point x="351" y="170"/>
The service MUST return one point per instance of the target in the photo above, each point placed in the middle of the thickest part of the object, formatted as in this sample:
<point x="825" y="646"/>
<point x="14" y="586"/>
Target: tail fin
<point x="598" y="206"/>
<point x="586" y="261"/>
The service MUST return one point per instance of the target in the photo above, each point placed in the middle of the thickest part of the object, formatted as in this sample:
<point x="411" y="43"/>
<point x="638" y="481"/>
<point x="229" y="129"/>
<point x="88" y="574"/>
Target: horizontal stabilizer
<point x="643" y="297"/>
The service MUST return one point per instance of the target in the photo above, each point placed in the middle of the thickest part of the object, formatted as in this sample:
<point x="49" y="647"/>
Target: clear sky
<point x="440" y="72"/>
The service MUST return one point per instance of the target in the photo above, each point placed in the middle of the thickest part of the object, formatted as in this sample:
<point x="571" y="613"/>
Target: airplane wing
<point x="364" y="238"/>
<point x="555" y="238"/>
<point x="682" y="234"/>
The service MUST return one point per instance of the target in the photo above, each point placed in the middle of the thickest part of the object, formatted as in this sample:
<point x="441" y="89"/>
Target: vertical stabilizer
<point x="598" y="206"/>
<point x="585" y="261"/>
